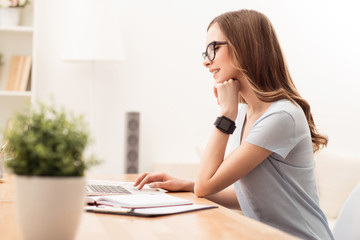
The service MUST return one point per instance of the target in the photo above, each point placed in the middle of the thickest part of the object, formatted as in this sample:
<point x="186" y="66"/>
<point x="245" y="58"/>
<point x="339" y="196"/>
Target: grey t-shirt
<point x="281" y="191"/>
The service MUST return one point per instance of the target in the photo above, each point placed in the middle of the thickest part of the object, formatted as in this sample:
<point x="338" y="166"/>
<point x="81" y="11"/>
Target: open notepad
<point x="143" y="205"/>
<point x="139" y="201"/>
<point x="148" y="212"/>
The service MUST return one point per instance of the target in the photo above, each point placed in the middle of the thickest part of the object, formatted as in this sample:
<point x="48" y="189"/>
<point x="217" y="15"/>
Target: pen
<point x="107" y="209"/>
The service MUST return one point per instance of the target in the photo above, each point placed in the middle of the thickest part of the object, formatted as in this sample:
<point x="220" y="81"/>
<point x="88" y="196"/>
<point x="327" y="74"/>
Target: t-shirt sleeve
<point x="275" y="132"/>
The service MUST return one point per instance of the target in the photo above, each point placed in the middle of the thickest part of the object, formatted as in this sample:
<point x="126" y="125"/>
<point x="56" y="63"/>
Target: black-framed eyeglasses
<point x="211" y="50"/>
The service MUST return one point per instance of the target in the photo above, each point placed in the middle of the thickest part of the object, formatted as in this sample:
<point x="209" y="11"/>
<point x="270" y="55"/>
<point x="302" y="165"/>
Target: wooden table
<point x="219" y="223"/>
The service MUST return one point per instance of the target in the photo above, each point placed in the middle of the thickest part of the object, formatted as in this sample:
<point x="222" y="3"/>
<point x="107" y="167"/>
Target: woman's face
<point x="222" y="66"/>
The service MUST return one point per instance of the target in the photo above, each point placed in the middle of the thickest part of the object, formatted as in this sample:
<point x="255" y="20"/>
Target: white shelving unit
<point x="20" y="29"/>
<point x="17" y="40"/>
<point x="15" y="93"/>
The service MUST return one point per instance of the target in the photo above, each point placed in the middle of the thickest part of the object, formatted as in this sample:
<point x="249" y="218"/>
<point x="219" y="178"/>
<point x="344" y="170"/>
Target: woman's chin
<point x="219" y="80"/>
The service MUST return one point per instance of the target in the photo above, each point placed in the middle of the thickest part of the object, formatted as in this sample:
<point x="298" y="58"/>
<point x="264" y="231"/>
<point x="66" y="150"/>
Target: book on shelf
<point x="19" y="74"/>
<point x="14" y="62"/>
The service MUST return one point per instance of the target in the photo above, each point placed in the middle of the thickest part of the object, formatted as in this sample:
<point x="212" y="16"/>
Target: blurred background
<point x="160" y="74"/>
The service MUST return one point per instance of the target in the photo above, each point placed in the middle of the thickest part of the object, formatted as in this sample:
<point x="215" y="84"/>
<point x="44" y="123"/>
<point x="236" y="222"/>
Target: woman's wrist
<point x="229" y="114"/>
<point x="188" y="186"/>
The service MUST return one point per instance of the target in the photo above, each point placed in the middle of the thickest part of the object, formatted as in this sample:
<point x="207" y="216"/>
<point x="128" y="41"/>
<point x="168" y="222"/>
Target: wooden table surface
<point x="219" y="223"/>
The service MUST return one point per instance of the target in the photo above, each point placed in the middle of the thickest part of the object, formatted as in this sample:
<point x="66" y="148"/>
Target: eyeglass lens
<point x="210" y="50"/>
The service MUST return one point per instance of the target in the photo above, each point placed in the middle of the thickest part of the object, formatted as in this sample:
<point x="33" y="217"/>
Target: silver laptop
<point x="96" y="188"/>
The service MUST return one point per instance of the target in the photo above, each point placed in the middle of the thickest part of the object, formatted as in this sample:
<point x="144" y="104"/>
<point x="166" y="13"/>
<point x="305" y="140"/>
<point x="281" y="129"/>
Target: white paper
<point x="171" y="210"/>
<point x="142" y="201"/>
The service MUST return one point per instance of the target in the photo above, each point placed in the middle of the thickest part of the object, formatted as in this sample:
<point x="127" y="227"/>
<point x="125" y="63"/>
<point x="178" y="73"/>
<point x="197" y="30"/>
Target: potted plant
<point x="46" y="148"/>
<point x="10" y="11"/>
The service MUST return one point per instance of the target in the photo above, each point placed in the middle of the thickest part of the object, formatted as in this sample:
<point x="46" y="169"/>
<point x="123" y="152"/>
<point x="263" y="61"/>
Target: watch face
<point x="224" y="124"/>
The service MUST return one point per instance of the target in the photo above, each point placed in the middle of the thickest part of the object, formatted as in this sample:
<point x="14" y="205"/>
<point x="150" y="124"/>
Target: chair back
<point x="347" y="225"/>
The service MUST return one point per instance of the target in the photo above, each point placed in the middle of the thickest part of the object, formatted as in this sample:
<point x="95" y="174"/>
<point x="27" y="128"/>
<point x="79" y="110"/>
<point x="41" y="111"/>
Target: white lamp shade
<point x="93" y="31"/>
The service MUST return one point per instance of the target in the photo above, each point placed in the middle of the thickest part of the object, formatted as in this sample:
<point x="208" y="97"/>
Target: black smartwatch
<point x="225" y="124"/>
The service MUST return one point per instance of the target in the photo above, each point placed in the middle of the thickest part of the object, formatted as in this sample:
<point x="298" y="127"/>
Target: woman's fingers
<point x="164" y="181"/>
<point x="163" y="185"/>
<point x="215" y="92"/>
<point x="228" y="97"/>
<point x="148" y="178"/>
<point x="140" y="178"/>
<point x="228" y="87"/>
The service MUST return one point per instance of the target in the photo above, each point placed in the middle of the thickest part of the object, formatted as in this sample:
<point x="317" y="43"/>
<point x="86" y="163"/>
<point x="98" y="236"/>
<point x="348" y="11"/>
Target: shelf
<point x="17" y="29"/>
<point x="16" y="40"/>
<point x="15" y="93"/>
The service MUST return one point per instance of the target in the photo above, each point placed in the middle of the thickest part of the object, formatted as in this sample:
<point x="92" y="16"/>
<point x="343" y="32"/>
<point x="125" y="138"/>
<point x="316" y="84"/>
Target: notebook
<point x="140" y="201"/>
<point x="149" y="212"/>
<point x="147" y="205"/>
<point x="100" y="187"/>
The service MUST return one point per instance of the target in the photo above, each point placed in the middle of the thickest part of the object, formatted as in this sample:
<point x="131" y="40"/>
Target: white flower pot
<point x="49" y="207"/>
<point x="9" y="17"/>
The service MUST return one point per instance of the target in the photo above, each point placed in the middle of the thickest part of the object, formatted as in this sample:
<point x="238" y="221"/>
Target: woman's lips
<point x="214" y="72"/>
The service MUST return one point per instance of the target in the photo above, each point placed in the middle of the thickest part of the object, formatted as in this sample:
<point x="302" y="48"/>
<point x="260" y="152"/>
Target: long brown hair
<point x="254" y="45"/>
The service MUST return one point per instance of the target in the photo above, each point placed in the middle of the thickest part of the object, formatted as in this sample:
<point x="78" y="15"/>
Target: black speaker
<point x="132" y="123"/>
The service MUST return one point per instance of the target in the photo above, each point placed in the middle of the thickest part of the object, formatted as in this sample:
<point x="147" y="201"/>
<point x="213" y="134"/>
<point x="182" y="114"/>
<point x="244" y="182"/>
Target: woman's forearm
<point x="226" y="198"/>
<point x="210" y="161"/>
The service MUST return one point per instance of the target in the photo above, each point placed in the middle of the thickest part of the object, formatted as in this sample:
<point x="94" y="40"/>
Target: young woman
<point x="271" y="164"/>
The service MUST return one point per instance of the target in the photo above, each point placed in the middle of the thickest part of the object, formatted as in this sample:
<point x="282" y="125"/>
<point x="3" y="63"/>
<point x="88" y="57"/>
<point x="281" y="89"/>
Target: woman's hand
<point x="227" y="95"/>
<point x="164" y="181"/>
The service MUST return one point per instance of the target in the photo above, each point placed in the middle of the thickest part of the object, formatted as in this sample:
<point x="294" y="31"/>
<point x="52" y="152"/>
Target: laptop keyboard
<point x="116" y="189"/>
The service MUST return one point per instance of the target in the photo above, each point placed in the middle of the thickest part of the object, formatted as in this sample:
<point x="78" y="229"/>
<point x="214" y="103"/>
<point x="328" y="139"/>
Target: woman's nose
<point x="206" y="62"/>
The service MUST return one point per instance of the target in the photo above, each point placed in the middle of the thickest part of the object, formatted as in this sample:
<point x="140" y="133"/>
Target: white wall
<point x="162" y="75"/>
